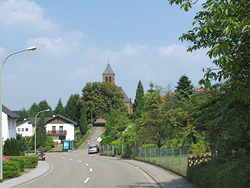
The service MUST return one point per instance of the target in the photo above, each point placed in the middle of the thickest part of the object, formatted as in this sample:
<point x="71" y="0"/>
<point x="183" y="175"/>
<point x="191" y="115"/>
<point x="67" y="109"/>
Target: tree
<point x="33" y="110"/>
<point x="116" y="123"/>
<point x="73" y="108"/>
<point x="12" y="147"/>
<point x="83" y="122"/>
<point x="155" y="123"/>
<point x="50" y="142"/>
<point x="41" y="134"/>
<point x="23" y="114"/>
<point x="139" y="102"/>
<point x="59" y="108"/>
<point x="223" y="27"/>
<point x="104" y="95"/>
<point x="184" y="84"/>
<point x="43" y="105"/>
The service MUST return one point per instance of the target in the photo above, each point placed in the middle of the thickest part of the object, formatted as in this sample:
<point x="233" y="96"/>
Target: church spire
<point x="108" y="75"/>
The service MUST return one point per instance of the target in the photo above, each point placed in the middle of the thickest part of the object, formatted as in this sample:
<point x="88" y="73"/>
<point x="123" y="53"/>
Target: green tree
<point x="223" y="27"/>
<point x="23" y="114"/>
<point x="59" y="108"/>
<point x="104" y="95"/>
<point x="155" y="123"/>
<point x="83" y="122"/>
<point x="12" y="147"/>
<point x="43" y="105"/>
<point x="139" y="102"/>
<point x="23" y="141"/>
<point x="73" y="108"/>
<point x="41" y="134"/>
<point x="116" y="123"/>
<point x="50" y="142"/>
<point x="184" y="84"/>
<point x="33" y="110"/>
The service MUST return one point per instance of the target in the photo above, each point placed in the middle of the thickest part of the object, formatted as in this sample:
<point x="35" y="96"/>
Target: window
<point x="61" y="129"/>
<point x="18" y="129"/>
<point x="106" y="79"/>
<point x="22" y="129"/>
<point x="110" y="79"/>
<point x="26" y="129"/>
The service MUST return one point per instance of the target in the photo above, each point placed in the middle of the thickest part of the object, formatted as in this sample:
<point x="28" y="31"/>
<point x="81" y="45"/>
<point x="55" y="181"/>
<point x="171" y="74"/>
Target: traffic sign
<point x="99" y="139"/>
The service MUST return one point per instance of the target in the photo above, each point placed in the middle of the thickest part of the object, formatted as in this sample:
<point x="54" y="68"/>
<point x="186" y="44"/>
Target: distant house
<point x="8" y="123"/>
<point x="27" y="126"/>
<point x="58" y="127"/>
<point x="61" y="128"/>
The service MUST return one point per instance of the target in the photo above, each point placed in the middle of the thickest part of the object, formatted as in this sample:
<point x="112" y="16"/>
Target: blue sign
<point x="65" y="145"/>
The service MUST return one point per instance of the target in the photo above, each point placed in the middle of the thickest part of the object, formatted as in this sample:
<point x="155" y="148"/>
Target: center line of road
<point x="87" y="164"/>
<point x="71" y="159"/>
<point x="79" y="161"/>
<point x="90" y="169"/>
<point x="86" y="180"/>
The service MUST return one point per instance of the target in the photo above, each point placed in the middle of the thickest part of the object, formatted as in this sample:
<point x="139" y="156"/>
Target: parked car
<point x="93" y="149"/>
<point x="41" y="156"/>
<point x="38" y="150"/>
<point x="4" y="158"/>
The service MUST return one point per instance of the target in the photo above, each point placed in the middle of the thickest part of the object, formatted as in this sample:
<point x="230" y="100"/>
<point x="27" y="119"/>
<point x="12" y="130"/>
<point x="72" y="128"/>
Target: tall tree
<point x="23" y="114"/>
<point x="59" y="108"/>
<point x="41" y="134"/>
<point x="43" y="105"/>
<point x="83" y="122"/>
<point x="184" y="84"/>
<point x="33" y="110"/>
<point x="139" y="102"/>
<point x="223" y="27"/>
<point x="73" y="108"/>
<point x="104" y="95"/>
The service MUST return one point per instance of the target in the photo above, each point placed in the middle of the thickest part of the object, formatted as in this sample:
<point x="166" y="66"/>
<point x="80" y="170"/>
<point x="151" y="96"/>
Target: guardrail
<point x="172" y="159"/>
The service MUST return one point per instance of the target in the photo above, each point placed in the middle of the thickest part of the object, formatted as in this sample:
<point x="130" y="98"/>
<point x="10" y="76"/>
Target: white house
<point x="8" y="123"/>
<point x="27" y="126"/>
<point x="61" y="128"/>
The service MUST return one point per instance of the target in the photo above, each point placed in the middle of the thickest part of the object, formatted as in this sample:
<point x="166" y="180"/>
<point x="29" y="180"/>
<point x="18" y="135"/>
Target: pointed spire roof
<point x="108" y="70"/>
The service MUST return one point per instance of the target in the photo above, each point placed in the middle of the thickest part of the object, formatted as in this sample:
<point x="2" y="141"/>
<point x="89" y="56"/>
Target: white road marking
<point x="63" y="157"/>
<point x="79" y="161"/>
<point x="87" y="164"/>
<point x="71" y="159"/>
<point x="54" y="156"/>
<point x="86" y="180"/>
<point x="90" y="169"/>
<point x="70" y="154"/>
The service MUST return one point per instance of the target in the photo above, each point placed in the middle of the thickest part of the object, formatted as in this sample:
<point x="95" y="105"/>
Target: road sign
<point x="99" y="139"/>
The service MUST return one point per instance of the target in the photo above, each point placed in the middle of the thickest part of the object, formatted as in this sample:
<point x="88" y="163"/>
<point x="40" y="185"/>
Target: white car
<point x="93" y="149"/>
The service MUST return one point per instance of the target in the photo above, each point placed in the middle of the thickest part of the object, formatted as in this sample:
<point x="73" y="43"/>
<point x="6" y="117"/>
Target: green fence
<point x="173" y="159"/>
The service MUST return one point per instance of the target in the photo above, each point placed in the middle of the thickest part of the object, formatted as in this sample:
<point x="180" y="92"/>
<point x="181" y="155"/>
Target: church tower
<point x="108" y="75"/>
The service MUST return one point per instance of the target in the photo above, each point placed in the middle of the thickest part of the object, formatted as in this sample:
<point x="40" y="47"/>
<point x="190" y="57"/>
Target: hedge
<point x="30" y="161"/>
<point x="21" y="161"/>
<point x="10" y="169"/>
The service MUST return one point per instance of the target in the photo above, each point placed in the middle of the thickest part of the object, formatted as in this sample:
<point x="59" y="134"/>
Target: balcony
<point x="57" y="132"/>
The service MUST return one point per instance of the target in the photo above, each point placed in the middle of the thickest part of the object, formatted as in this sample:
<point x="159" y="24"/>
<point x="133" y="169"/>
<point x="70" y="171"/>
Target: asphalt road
<point x="79" y="169"/>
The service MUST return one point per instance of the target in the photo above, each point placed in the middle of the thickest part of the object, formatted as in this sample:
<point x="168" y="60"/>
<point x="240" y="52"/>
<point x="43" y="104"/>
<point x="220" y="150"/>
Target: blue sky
<point x="75" y="39"/>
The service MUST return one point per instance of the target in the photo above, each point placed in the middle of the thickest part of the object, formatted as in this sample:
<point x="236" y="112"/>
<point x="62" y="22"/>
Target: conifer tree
<point x="73" y="108"/>
<point x="83" y="121"/>
<point x="59" y="108"/>
<point x="139" y="102"/>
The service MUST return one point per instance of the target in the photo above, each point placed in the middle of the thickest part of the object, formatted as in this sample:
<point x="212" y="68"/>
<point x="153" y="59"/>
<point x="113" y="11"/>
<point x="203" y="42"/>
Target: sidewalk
<point x="41" y="169"/>
<point x="163" y="177"/>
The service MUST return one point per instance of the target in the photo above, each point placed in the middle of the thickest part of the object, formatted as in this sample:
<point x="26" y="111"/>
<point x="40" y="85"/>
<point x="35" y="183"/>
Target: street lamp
<point x="1" y="139"/>
<point x="92" y="115"/>
<point x="35" y="124"/>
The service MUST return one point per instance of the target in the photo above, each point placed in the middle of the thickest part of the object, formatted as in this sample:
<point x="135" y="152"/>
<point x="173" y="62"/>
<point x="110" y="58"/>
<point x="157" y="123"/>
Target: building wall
<point x="22" y="129"/>
<point x="129" y="107"/>
<point x="8" y="127"/>
<point x="69" y="127"/>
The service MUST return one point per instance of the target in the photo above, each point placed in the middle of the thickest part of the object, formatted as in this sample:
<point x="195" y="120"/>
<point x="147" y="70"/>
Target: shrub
<point x="12" y="147"/>
<point x="10" y="169"/>
<point x="47" y="148"/>
<point x="21" y="161"/>
<point x="50" y="142"/>
<point x="31" y="161"/>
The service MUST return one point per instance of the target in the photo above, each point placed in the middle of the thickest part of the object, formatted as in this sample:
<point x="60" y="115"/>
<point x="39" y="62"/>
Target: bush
<point x="21" y="161"/>
<point x="31" y="161"/>
<point x="12" y="147"/>
<point x="47" y="148"/>
<point x="10" y="169"/>
<point x="50" y="142"/>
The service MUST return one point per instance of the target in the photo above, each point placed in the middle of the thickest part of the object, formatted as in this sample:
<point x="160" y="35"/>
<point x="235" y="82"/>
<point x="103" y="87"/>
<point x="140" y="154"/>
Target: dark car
<point x="41" y="156"/>
<point x="93" y="149"/>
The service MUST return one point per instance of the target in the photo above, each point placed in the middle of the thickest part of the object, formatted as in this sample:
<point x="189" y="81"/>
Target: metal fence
<point x="172" y="159"/>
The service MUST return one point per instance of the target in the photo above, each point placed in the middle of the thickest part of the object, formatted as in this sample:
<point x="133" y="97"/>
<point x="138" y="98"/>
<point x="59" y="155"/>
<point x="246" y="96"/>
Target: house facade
<point x="8" y="123"/>
<point x="61" y="128"/>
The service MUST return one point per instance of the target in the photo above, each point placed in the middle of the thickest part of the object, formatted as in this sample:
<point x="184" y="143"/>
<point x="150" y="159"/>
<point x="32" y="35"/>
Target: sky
<point x="75" y="40"/>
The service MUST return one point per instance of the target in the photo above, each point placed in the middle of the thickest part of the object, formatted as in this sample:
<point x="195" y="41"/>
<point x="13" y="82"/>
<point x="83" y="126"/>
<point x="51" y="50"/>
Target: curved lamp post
<point x="1" y="139"/>
<point x="35" y="124"/>
<point x="92" y="115"/>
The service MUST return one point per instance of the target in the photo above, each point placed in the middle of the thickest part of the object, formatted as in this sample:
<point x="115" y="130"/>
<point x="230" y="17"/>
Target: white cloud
<point x="59" y="46"/>
<point x="134" y="49"/>
<point x="85" y="72"/>
<point x="24" y="13"/>
<point x="2" y="51"/>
